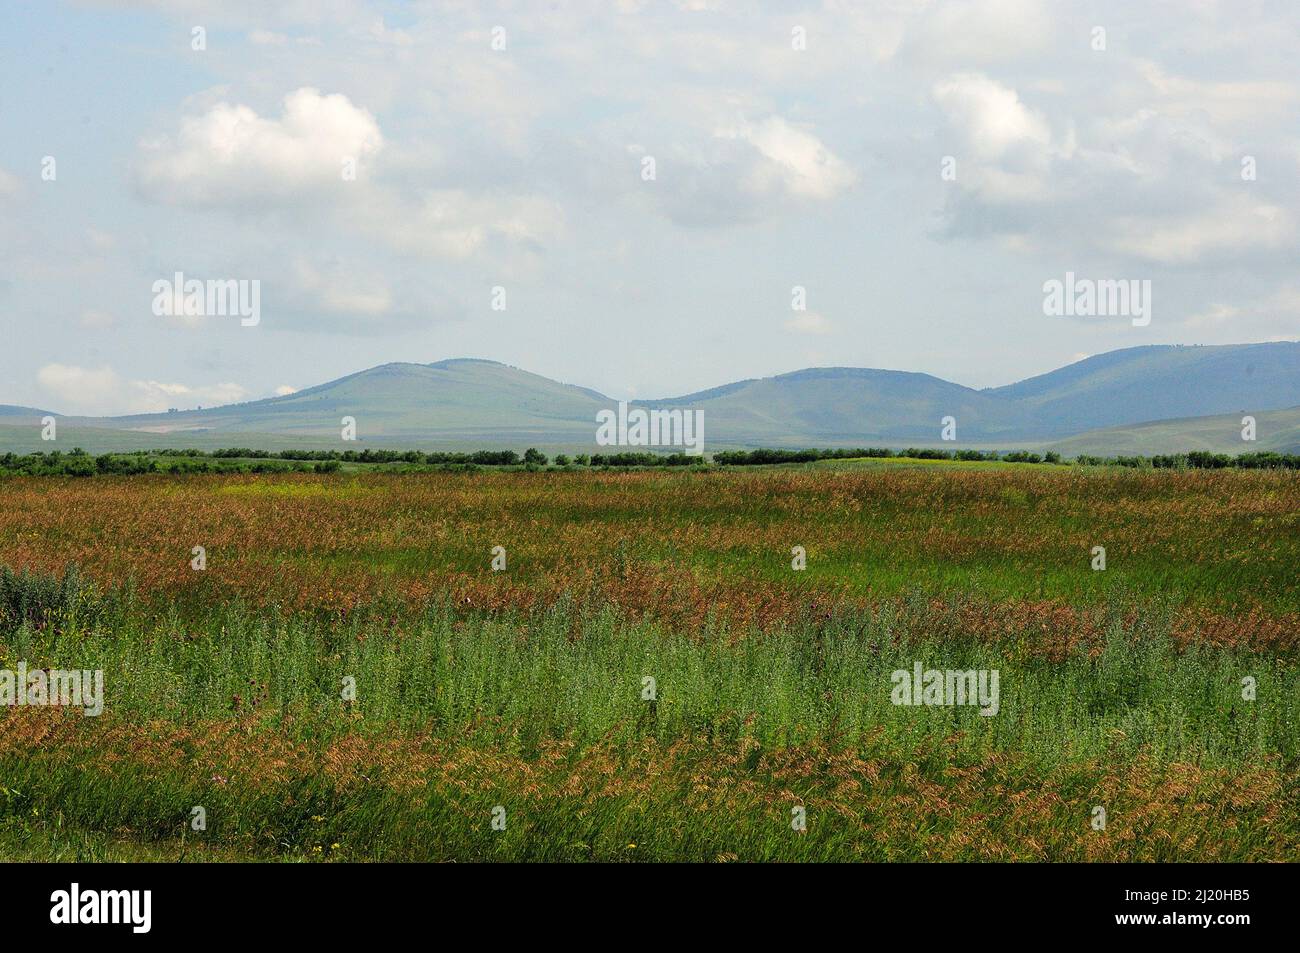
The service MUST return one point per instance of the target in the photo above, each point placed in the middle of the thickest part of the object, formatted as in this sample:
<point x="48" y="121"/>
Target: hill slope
<point x="1277" y="430"/>
<point x="479" y="400"/>
<point x="1162" y="382"/>
<point x="1099" y="405"/>
<point x="829" y="405"/>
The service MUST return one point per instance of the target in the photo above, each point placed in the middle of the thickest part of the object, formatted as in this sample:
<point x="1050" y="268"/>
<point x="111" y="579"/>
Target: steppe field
<point x="348" y="677"/>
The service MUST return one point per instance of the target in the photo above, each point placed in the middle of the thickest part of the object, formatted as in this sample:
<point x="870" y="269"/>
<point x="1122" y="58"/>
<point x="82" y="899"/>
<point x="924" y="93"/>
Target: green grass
<point x="1121" y="689"/>
<point x="569" y="673"/>
<point x="511" y="688"/>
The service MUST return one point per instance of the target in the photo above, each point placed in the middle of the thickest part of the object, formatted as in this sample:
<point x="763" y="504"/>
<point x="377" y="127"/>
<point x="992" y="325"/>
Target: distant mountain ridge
<point x="848" y="404"/>
<point x="468" y="402"/>
<point x="1163" y="382"/>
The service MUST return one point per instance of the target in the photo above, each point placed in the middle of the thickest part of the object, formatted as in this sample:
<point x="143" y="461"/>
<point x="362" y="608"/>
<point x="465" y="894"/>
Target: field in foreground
<point x="521" y="696"/>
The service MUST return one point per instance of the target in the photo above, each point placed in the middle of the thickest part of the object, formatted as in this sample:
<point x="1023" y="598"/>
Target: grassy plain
<point x="525" y="689"/>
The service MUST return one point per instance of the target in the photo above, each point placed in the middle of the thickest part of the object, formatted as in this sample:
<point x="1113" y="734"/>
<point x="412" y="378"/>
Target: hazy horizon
<point x="585" y="386"/>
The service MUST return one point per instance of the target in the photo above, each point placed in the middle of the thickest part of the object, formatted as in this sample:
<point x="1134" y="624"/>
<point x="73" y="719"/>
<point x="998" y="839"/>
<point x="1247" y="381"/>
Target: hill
<point x="1144" y="399"/>
<point x="1162" y="382"/>
<point x="1277" y="430"/>
<point x="845" y="405"/>
<point x="483" y="402"/>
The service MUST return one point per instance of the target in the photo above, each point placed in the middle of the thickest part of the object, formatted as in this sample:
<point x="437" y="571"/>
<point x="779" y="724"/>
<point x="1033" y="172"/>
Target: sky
<point x="626" y="195"/>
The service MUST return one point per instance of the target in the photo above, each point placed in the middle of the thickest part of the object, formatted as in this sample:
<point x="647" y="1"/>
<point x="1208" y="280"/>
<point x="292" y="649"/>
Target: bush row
<point x="244" y="460"/>
<point x="1201" y="460"/>
<point x="759" y="457"/>
<point x="1195" y="460"/>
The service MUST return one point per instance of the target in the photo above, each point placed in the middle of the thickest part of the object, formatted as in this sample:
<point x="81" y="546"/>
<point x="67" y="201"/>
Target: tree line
<point x="78" y="462"/>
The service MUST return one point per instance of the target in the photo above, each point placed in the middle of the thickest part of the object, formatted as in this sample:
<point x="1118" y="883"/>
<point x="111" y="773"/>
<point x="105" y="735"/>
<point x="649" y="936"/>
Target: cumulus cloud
<point x="1004" y="147"/>
<point x="991" y="118"/>
<point x="793" y="160"/>
<point x="102" y="391"/>
<point x="746" y="172"/>
<point x="515" y="168"/>
<point x="229" y="155"/>
<point x="1155" y="178"/>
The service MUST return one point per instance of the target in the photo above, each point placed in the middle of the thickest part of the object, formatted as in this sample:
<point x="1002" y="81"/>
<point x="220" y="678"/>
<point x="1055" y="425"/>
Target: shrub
<point x="44" y="598"/>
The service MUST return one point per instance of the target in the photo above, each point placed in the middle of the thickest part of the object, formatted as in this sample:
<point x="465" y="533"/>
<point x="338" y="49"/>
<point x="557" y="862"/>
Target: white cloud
<point x="1223" y="103"/>
<point x="511" y="168"/>
<point x="230" y="155"/>
<point x="1152" y="175"/>
<point x="342" y="290"/>
<point x="1003" y="148"/>
<point x="101" y="391"/>
<point x="979" y="31"/>
<point x="79" y="389"/>
<point x="1233" y="228"/>
<point x="383" y="33"/>
<point x="1272" y="317"/>
<point x="991" y="118"/>
<point x="744" y="172"/>
<point x="796" y="161"/>
<point x="284" y="390"/>
<point x="1006" y="146"/>
<point x="453" y="223"/>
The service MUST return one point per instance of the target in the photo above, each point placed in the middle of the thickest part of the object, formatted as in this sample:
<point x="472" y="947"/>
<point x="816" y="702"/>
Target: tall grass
<point x="542" y="713"/>
<point x="578" y="673"/>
